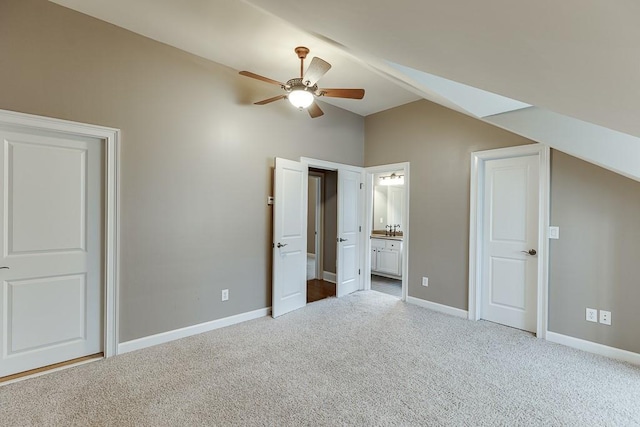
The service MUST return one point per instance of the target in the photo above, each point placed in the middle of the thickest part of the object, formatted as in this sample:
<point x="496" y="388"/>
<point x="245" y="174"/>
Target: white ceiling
<point x="579" y="58"/>
<point x="243" y="37"/>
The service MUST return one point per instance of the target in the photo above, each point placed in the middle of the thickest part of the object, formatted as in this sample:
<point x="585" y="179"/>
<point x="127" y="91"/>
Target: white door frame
<point x="371" y="171"/>
<point x="478" y="160"/>
<point x="333" y="166"/>
<point x="111" y="140"/>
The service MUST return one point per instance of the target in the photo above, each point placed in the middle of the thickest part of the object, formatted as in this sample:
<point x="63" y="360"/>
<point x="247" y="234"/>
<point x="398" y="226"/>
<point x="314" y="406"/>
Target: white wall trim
<point x="446" y="309"/>
<point x="329" y="277"/>
<point x="475" y="227"/>
<point x="188" y="331"/>
<point x="592" y="347"/>
<point x="111" y="138"/>
<point x="368" y="215"/>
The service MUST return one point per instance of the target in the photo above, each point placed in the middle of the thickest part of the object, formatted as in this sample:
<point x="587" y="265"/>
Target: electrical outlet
<point x="225" y="294"/>
<point x="425" y="281"/>
<point x="592" y="315"/>
<point x="605" y="317"/>
<point x="554" y="232"/>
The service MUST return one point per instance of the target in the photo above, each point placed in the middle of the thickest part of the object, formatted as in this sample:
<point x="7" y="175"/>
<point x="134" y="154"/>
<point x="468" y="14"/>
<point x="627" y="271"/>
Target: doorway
<point x="388" y="229"/>
<point x="322" y="217"/>
<point x="508" y="240"/>
<point x="290" y="216"/>
<point x="59" y="241"/>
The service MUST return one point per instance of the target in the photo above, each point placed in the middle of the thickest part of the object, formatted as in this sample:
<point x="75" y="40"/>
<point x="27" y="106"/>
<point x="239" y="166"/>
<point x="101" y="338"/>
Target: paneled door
<point x="289" y="291"/>
<point x="51" y="301"/>
<point x="349" y="202"/>
<point x="510" y="230"/>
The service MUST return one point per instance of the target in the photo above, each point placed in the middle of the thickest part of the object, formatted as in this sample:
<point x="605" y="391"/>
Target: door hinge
<point x="360" y="229"/>
<point x="361" y="186"/>
<point x="358" y="272"/>
<point x="273" y="245"/>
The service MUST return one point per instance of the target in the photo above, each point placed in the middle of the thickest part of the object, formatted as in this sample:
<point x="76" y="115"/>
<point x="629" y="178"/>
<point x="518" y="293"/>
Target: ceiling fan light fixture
<point x="300" y="98"/>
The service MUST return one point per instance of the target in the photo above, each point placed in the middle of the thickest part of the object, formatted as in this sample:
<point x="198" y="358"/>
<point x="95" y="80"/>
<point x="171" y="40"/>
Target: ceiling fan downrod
<point x="302" y="53"/>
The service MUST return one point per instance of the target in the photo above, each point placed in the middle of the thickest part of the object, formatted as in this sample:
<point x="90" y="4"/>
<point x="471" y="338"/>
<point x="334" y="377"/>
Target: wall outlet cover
<point x="554" y="232"/>
<point x="425" y="281"/>
<point x="592" y="315"/>
<point x="605" y="317"/>
<point x="225" y="294"/>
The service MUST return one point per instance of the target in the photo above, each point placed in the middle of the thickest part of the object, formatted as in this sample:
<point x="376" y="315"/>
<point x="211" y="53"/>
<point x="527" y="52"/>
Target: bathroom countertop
<point x="382" y="236"/>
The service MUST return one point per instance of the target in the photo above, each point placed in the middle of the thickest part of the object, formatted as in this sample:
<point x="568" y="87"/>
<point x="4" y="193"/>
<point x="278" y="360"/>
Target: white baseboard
<point x="329" y="277"/>
<point x="188" y="331"/>
<point x="438" y="307"/>
<point x="593" y="347"/>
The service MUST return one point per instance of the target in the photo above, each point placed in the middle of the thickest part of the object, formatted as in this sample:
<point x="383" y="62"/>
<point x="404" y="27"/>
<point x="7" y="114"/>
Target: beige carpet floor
<point x="366" y="359"/>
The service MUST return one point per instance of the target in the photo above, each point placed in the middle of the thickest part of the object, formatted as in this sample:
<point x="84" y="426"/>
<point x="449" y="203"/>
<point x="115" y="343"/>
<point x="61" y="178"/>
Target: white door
<point x="348" y="262"/>
<point x="289" y="237"/>
<point x="51" y="299"/>
<point x="510" y="230"/>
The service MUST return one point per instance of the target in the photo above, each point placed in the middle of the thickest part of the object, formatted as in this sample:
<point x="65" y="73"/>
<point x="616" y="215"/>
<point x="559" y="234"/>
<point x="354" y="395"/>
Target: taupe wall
<point x="438" y="142"/>
<point x="197" y="157"/>
<point x="596" y="261"/>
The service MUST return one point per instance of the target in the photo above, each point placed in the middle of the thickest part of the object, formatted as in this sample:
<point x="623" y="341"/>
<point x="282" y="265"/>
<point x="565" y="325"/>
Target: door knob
<point x="282" y="245"/>
<point x="342" y="240"/>
<point x="530" y="252"/>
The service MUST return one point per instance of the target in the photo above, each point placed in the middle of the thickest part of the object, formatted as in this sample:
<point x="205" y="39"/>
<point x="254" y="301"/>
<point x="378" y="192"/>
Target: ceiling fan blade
<point x="266" y="101"/>
<point x="314" y="110"/>
<point x="342" y="93"/>
<point x="317" y="69"/>
<point x="259" y="77"/>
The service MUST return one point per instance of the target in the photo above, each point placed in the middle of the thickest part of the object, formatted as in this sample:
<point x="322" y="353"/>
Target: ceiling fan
<point x="303" y="91"/>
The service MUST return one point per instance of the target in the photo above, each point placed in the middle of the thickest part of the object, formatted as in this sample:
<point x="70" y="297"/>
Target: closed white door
<point x="510" y="239"/>
<point x="349" y="202"/>
<point x="289" y="291"/>
<point x="52" y="256"/>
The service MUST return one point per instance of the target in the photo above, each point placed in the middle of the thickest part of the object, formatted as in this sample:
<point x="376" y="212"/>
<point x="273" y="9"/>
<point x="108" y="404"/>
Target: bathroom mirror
<point x="388" y="201"/>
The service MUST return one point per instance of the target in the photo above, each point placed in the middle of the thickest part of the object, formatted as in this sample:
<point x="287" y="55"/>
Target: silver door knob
<point x="342" y="240"/>
<point x="282" y="245"/>
<point x="530" y="252"/>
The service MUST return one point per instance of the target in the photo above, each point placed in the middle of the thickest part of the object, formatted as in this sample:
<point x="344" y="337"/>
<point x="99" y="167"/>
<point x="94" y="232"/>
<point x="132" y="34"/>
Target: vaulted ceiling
<point x="577" y="62"/>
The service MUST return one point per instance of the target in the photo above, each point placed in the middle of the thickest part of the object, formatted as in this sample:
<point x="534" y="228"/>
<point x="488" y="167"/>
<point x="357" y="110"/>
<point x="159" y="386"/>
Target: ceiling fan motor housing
<point x="298" y="84"/>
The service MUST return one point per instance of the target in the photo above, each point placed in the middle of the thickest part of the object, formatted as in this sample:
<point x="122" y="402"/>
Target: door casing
<point x="111" y="141"/>
<point x="476" y="208"/>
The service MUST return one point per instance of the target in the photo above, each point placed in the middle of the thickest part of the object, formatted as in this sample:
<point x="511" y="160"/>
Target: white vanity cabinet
<point x="386" y="257"/>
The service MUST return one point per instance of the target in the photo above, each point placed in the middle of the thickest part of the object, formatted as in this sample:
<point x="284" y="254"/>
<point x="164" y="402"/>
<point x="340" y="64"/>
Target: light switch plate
<point x="554" y="232"/>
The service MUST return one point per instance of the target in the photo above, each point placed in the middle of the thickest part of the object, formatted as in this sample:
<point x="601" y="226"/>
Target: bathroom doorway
<point x="388" y="207"/>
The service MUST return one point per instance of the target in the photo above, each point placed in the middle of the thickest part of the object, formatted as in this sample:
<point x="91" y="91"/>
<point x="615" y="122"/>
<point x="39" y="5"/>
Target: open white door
<point x="289" y="237"/>
<point x="349" y="202"/>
